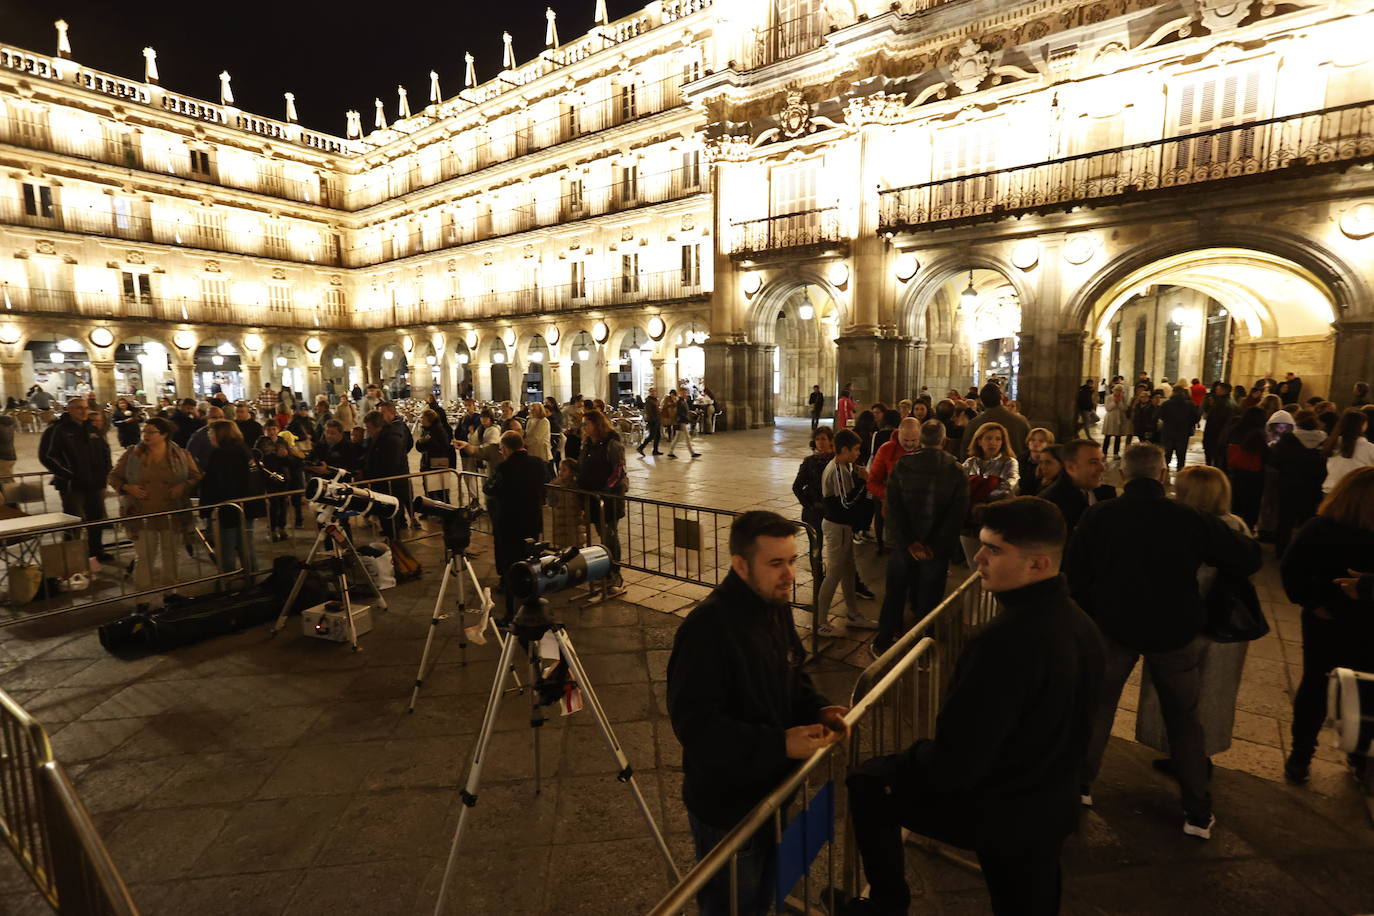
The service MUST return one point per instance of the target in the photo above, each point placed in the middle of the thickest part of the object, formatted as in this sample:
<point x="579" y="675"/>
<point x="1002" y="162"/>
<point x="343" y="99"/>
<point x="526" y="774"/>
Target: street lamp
<point x="969" y="297"/>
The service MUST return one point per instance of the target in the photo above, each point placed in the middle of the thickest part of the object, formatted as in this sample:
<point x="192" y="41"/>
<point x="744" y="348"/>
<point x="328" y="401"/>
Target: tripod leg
<point x="626" y="774"/>
<point x="474" y="781"/>
<point x="353" y="552"/>
<point x="296" y="588"/>
<point x="433" y="625"/>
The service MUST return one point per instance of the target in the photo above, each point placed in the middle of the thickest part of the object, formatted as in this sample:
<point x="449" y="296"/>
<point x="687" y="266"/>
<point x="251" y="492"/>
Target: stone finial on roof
<point x="601" y="17"/>
<point x="226" y="92"/>
<point x="379" y="121"/>
<point x="551" y="30"/>
<point x="149" y="66"/>
<point x="64" y="45"/>
<point x="402" y="103"/>
<point x="435" y="97"/>
<point x="507" y="52"/>
<point x="470" y="73"/>
<point x="290" y="107"/>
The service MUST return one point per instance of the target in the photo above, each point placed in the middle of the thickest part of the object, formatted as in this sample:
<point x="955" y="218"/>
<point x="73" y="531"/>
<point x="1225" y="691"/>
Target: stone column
<point x="103" y="380"/>
<point x="1352" y="361"/>
<point x="314" y="374"/>
<point x="13" y="375"/>
<point x="481" y="380"/>
<point x="661" y="379"/>
<point x="916" y="377"/>
<point x="555" y="385"/>
<point x="184" y="373"/>
<point x="252" y="375"/>
<point x="858" y="367"/>
<point x="421" y="379"/>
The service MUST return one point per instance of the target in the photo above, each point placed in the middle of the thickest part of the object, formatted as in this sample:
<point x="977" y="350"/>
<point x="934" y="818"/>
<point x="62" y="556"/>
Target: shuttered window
<point x="1212" y="105"/>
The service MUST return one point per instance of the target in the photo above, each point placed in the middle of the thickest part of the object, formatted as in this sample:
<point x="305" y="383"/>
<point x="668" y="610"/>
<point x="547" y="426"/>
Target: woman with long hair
<point x="538" y="436"/>
<point x="157" y="475"/>
<point x="128" y="421"/>
<point x="1117" y="424"/>
<point x="1207" y="490"/>
<point x="993" y="474"/>
<point x="1346" y="448"/>
<point x="601" y="470"/>
<point x="230" y="475"/>
<point x="1337" y="623"/>
<point x="1246" y="451"/>
<point x="435" y="446"/>
<point x="1037" y="441"/>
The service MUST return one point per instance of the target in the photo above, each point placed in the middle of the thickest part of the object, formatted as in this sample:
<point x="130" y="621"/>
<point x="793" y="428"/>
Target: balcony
<point x="1260" y="151"/>
<point x="105" y="305"/>
<point x="609" y="292"/>
<point x="786" y="39"/>
<point x="788" y="234"/>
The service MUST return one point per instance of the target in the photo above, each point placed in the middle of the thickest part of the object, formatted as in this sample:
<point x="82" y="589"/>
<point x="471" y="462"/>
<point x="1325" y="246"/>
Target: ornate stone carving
<point x="212" y="267"/>
<point x="728" y="148"/>
<point x="971" y="67"/>
<point x="795" y="118"/>
<point x="1223" y="14"/>
<point x="278" y="273"/>
<point x="688" y="223"/>
<point x="43" y="246"/>
<point x="840" y="13"/>
<point x="878" y="108"/>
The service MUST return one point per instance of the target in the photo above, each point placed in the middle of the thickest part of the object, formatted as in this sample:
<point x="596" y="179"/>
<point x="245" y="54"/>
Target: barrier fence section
<point x="185" y="554"/>
<point x="894" y="702"/>
<point x="48" y="829"/>
<point x="674" y="540"/>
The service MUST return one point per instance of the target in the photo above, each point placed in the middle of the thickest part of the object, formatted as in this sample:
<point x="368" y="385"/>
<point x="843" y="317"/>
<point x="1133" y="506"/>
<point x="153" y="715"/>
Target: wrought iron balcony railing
<point x="23" y="300"/>
<point x="786" y="39"/>
<point x="1332" y="138"/>
<point x="786" y="232"/>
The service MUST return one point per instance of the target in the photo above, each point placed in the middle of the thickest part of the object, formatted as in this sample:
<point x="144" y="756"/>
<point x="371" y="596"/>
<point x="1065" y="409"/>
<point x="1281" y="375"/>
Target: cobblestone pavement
<point x="253" y="775"/>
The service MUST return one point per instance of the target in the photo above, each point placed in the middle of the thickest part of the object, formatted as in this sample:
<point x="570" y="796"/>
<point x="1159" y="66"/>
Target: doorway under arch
<point x="1215" y="314"/>
<point x="799" y="321"/>
<point x="970" y="320"/>
<point x="582" y="364"/>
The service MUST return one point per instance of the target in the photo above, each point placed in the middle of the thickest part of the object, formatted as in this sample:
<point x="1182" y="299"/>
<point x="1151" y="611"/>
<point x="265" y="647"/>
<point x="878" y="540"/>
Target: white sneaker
<point x="860" y="539"/>
<point x="1201" y="831"/>
<point x="860" y="622"/>
<point x="1085" y="798"/>
<point x="828" y="631"/>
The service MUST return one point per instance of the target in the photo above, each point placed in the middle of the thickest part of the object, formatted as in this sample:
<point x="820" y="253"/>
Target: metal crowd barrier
<point x="196" y="561"/>
<point x="894" y="702"/>
<point x="48" y="829"/>
<point x="674" y="540"/>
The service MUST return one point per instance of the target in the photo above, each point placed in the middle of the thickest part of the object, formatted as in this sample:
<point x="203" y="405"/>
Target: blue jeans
<point x="755" y="872"/>
<point x="235" y="542"/>
<point x="920" y="583"/>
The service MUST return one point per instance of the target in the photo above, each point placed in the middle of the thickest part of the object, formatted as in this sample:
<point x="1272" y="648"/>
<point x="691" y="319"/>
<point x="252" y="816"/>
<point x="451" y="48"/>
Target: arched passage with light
<point x="1216" y="314"/>
<point x="799" y="319"/>
<point x="217" y="363"/>
<point x="970" y="320"/>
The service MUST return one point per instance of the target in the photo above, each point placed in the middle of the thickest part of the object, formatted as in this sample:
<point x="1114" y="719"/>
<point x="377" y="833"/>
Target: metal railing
<point x="786" y="232"/>
<point x="894" y="702"/>
<point x="786" y="39"/>
<point x="1291" y="145"/>
<point x="112" y="304"/>
<point x="48" y="829"/>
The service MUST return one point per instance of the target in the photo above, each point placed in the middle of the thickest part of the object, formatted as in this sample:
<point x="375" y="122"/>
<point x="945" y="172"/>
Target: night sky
<point x="333" y="56"/>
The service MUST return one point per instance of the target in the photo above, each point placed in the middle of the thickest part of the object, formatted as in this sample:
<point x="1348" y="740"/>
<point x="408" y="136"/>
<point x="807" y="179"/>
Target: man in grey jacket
<point x="1018" y="430"/>
<point x="927" y="498"/>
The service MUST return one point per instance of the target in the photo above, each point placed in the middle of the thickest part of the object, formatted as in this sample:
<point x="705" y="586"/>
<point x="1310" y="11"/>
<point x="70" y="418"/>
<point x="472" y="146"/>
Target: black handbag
<point x="1233" y="611"/>
<point x="860" y="514"/>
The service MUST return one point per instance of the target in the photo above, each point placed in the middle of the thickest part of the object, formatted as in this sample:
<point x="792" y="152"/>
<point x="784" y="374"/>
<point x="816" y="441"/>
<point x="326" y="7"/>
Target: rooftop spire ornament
<point x="64" y="46"/>
<point x="601" y="17"/>
<point x="379" y="121"/>
<point x="226" y="93"/>
<point x="551" y="30"/>
<point x="354" y="119"/>
<point x="150" y="66"/>
<point x="434" y="96"/>
<point x="507" y="52"/>
<point x="403" y="103"/>
<point x="291" y="117"/>
<point x="470" y="73"/>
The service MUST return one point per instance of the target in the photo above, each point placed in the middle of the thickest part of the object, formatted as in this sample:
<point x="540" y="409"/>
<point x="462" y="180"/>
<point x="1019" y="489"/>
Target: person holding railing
<point x="229" y="475"/>
<point x="157" y="475"/>
<point x="999" y="777"/>
<point x="744" y="710"/>
<point x="79" y="461"/>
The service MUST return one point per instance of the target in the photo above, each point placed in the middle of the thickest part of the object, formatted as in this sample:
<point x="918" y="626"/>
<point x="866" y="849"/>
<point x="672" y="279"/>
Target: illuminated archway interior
<point x="1216" y="314"/>
<point x="804" y="330"/>
<point x="972" y="326"/>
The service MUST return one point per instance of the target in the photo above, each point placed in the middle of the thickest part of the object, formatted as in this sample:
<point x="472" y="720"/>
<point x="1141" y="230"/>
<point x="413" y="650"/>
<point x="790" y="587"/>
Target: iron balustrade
<point x="817" y="228"/>
<point x="894" y="702"/>
<point x="48" y="829"/>
<point x="786" y="39"/>
<point x="449" y="232"/>
<point x="606" y="292"/>
<point x="1288" y="146"/>
<point x="111" y="304"/>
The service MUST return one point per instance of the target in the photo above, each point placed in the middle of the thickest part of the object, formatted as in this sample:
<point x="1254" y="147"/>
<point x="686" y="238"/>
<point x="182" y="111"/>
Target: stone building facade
<point x="760" y="196"/>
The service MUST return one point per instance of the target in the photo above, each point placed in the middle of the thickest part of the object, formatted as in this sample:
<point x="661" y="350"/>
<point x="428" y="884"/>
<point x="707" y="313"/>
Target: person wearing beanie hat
<point x="1018" y="430"/>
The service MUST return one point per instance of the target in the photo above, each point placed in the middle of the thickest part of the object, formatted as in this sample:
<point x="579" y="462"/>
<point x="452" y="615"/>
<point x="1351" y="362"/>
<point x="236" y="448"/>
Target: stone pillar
<point x="481" y="380"/>
<point x="916" y="377"/>
<point x="421" y="379"/>
<point x="727" y="362"/>
<point x="661" y="379"/>
<point x="103" y="380"/>
<point x="858" y="367"/>
<point x="184" y="373"/>
<point x="13" y="374"/>
<point x="1353" y="360"/>
<point x="314" y="374"/>
<point x="555" y="385"/>
<point x="252" y="375"/>
<point x="763" y="402"/>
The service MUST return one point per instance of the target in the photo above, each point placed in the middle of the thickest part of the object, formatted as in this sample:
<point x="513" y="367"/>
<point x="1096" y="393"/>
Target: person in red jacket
<point x="1198" y="391"/>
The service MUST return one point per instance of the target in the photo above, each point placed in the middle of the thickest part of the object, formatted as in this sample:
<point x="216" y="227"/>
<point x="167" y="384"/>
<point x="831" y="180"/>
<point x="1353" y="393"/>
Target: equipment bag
<point x="404" y="566"/>
<point x="379" y="568"/>
<point x="183" y="621"/>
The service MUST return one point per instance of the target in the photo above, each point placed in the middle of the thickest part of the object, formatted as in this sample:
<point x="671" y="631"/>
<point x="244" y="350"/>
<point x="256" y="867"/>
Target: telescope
<point x="551" y="572"/>
<point x="457" y="520"/>
<point x="333" y="493"/>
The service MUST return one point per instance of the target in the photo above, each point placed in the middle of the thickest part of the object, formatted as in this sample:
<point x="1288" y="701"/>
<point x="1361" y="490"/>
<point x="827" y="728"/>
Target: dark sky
<point x="333" y="56"/>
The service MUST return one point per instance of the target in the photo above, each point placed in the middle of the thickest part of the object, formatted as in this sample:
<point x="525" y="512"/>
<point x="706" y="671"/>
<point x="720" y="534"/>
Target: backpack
<point x="404" y="566"/>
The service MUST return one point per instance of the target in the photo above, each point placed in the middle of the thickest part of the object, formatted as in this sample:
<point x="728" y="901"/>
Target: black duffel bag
<point x="182" y="621"/>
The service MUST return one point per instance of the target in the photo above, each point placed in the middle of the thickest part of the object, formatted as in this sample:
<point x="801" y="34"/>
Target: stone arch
<point x="774" y="297"/>
<point x="924" y="289"/>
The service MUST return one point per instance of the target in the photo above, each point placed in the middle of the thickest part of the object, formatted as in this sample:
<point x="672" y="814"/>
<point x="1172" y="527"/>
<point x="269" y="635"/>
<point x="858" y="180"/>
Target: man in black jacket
<point x="1178" y="418"/>
<point x="515" y="499"/>
<point x="742" y="706"/>
<point x="1219" y="410"/>
<point x="817" y="402"/>
<point x="385" y="457"/>
<point x="401" y="488"/>
<point x="1085" y="404"/>
<point x="1080" y="484"/>
<point x="999" y="776"/>
<point x="71" y="449"/>
<point x="652" y="422"/>
<point x="187" y="421"/>
<point x="1132" y="565"/>
<point x="332" y="452"/>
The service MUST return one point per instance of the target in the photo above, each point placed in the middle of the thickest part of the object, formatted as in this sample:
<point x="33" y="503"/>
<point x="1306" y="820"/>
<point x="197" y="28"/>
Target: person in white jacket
<point x="538" y="440"/>
<point x="1347" y="448"/>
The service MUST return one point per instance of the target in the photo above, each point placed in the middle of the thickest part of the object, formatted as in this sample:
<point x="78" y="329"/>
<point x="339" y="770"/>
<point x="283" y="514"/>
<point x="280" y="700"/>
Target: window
<point x="200" y="162"/>
<point x="123" y="213"/>
<point x="629" y="102"/>
<point x="572" y="121"/>
<point x="629" y="273"/>
<point x="968" y="149"/>
<point x="691" y="265"/>
<point x="326" y="192"/>
<point x="577" y="279"/>
<point x="210" y="228"/>
<point x="271" y="182"/>
<point x="629" y="184"/>
<point x="279" y="298"/>
<point x="214" y="296"/>
<point x="1212" y="105"/>
<point x="691" y="169"/>
<point x="278" y="245"/>
<point x="136" y="287"/>
<point x="575" y="197"/>
<point x="691" y="70"/>
<point x="334" y="301"/>
<point x="38" y="200"/>
<point x="793" y="189"/>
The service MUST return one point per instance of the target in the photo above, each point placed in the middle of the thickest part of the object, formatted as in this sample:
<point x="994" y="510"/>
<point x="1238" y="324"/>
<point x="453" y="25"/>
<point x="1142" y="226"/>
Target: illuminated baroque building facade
<point x="760" y="194"/>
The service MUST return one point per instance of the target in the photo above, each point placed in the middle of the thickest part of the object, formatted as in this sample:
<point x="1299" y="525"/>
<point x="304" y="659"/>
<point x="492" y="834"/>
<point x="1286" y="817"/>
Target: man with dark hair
<point x="742" y="706"/>
<point x="70" y="448"/>
<point x="1178" y="418"/>
<point x="1080" y="484"/>
<point x="1085" y="407"/>
<point x="302" y="424"/>
<point x="1153" y="608"/>
<point x="926" y="499"/>
<point x="515" y="500"/>
<point x="1018" y="430"/>
<point x="385" y="457"/>
<point x="333" y="451"/>
<point x="249" y="427"/>
<point x="999" y="776"/>
<point x="652" y="421"/>
<point x="817" y="402"/>
<point x="187" y="421"/>
<point x="401" y="488"/>
<point x="1219" y="410"/>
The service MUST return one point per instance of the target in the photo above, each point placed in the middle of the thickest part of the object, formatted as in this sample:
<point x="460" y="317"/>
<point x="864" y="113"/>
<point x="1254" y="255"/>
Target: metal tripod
<point x="530" y="629"/>
<point x="331" y="538"/>
<point x="459" y="567"/>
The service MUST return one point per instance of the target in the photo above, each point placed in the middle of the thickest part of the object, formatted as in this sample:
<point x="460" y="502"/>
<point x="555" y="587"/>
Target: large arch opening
<point x="218" y="369"/>
<point x="60" y="365"/>
<point x="633" y="351"/>
<point x="582" y="364"/>
<point x="970" y="320"/>
<point x="534" y="384"/>
<point x="342" y="365"/>
<point x="143" y="368"/>
<point x="799" y="321"/>
<point x="498" y="355"/>
<point x="1215" y="314"/>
